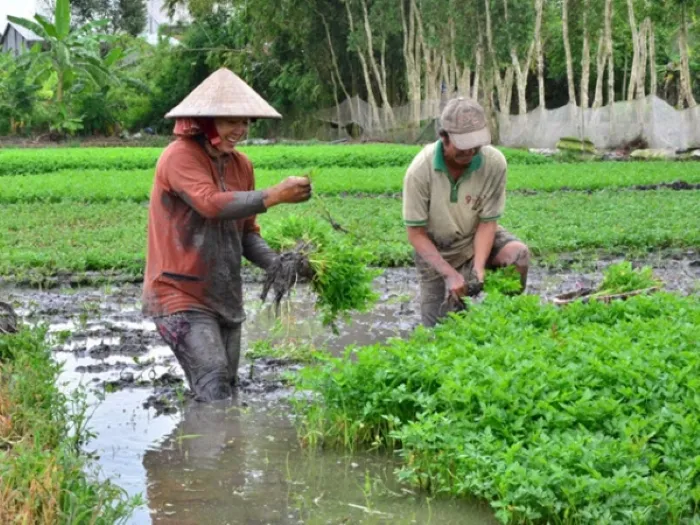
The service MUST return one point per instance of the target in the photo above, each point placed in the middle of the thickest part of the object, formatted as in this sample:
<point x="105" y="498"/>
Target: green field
<point x="135" y="185"/>
<point x="32" y="161"/>
<point x="78" y="236"/>
<point x="85" y="209"/>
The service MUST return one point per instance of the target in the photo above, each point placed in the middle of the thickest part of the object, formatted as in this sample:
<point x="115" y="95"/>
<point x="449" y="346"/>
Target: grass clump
<point x="284" y="350"/>
<point x="43" y="477"/>
<point x="583" y="414"/>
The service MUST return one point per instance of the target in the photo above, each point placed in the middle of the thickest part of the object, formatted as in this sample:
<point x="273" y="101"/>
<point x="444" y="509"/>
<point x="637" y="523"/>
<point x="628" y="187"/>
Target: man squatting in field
<point x="202" y="221"/>
<point x="454" y="192"/>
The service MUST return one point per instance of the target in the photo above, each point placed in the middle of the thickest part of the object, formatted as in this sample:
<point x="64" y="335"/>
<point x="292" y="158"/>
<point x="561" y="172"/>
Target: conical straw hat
<point x="223" y="94"/>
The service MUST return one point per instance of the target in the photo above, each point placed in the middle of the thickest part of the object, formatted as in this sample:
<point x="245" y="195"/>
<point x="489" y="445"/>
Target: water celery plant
<point x="583" y="414"/>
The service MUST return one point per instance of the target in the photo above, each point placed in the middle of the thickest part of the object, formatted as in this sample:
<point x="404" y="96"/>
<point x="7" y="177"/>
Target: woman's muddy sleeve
<point x="255" y="248"/>
<point x="257" y="251"/>
<point x="192" y="180"/>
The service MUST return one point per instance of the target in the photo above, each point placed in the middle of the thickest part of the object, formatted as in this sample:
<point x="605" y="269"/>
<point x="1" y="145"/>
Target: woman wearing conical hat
<point x="202" y="221"/>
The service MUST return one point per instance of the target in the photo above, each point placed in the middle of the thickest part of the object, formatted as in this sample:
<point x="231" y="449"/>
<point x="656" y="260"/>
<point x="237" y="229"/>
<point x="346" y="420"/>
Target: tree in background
<point x="128" y="16"/>
<point x="69" y="63"/>
<point x="17" y="96"/>
<point x="403" y="57"/>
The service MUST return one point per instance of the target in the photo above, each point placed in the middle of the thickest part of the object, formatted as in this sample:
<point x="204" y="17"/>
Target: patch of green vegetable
<point x="45" y="476"/>
<point x="583" y="414"/>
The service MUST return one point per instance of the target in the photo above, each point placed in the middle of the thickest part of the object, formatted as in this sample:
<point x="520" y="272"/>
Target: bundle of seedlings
<point x="335" y="266"/>
<point x="620" y="281"/>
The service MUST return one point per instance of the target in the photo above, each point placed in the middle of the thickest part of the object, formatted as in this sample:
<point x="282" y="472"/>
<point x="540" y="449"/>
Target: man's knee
<point x="515" y="253"/>
<point x="522" y="256"/>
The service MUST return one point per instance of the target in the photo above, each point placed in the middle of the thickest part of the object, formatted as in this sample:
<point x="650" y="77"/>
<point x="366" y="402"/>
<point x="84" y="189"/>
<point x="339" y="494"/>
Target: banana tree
<point x="72" y="54"/>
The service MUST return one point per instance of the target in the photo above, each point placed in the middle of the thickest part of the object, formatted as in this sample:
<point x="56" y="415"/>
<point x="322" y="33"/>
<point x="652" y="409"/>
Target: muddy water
<point x="239" y="461"/>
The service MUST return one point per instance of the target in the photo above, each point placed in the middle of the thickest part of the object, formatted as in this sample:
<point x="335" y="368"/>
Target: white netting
<point x="651" y="119"/>
<point x="356" y="111"/>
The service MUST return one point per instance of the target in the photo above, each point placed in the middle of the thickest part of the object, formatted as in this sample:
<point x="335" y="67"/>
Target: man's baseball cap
<point x="464" y="121"/>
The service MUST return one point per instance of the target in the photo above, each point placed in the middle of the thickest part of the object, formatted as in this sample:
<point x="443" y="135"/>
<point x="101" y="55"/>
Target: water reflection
<point x="226" y="463"/>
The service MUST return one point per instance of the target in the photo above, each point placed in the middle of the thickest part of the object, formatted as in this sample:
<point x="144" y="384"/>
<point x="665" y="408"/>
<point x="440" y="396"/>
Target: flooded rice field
<point x="239" y="461"/>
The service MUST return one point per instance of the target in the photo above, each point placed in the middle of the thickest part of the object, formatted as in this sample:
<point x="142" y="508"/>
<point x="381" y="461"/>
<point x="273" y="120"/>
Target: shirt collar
<point x="439" y="160"/>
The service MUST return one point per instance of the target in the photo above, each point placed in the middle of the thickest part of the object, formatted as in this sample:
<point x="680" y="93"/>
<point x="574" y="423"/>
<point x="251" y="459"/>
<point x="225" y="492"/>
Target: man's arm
<point x="494" y="206"/>
<point x="483" y="242"/>
<point x="425" y="248"/>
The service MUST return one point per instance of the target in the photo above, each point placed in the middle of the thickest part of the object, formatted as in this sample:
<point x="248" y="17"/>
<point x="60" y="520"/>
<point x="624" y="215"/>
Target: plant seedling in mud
<point x="622" y="277"/>
<point x="336" y="267"/>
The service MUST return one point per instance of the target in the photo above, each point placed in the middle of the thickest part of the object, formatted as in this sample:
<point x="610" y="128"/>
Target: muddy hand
<point x="456" y="286"/>
<point x="475" y="288"/>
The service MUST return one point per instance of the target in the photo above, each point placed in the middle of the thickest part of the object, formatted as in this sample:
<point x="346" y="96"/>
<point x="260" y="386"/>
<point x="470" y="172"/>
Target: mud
<point x="678" y="185"/>
<point x="240" y="462"/>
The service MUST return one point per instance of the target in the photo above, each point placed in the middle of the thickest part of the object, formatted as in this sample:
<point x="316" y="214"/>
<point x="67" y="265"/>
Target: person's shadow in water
<point x="223" y="463"/>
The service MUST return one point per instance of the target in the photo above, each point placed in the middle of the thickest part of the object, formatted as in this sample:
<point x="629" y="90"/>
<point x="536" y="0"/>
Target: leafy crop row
<point x="31" y="161"/>
<point x="74" y="236"/>
<point x="585" y="414"/>
<point x="135" y="185"/>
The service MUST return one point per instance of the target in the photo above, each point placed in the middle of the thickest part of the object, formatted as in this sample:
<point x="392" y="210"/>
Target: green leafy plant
<point x="341" y="277"/>
<point x="286" y="350"/>
<point x="622" y="277"/>
<point x="582" y="414"/>
<point x="504" y="281"/>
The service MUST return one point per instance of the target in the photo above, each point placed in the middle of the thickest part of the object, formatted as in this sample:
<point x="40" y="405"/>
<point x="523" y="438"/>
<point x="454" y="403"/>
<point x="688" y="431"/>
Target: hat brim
<point x="475" y="139"/>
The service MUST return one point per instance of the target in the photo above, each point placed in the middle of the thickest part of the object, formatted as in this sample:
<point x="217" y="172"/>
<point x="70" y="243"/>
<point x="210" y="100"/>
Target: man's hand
<point x="456" y="286"/>
<point x="290" y="190"/>
<point x="476" y="285"/>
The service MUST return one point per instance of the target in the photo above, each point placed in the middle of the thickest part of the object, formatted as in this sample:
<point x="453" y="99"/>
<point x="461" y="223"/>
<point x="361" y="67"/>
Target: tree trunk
<point x="371" y="100"/>
<point x="686" y="89"/>
<point x="600" y="71"/>
<point x="334" y="61"/>
<point x="413" y="72"/>
<point x="632" y="86"/>
<point x="624" y="76"/>
<point x="539" y="7"/>
<point x="585" y="57"/>
<point x="653" y="81"/>
<point x="504" y="85"/>
<point x="479" y="66"/>
<point x="431" y="59"/>
<point x="605" y="56"/>
<point x="642" y="69"/>
<point x="567" y="50"/>
<point x="378" y="75"/>
<point x="609" y="48"/>
<point x="521" y="74"/>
